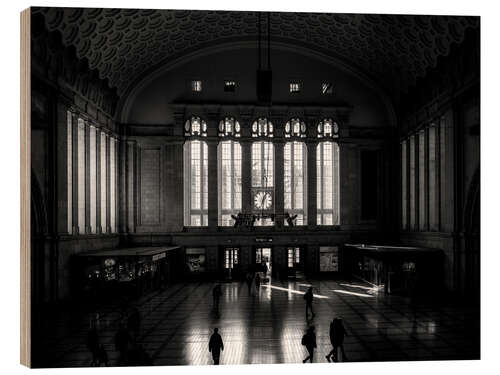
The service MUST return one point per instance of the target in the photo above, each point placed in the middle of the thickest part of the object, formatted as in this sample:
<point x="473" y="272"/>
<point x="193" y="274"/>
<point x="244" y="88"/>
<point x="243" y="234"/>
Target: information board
<point x="328" y="258"/>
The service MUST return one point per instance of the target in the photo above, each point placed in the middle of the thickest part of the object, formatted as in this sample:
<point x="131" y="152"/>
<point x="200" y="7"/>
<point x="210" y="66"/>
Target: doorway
<point x="263" y="260"/>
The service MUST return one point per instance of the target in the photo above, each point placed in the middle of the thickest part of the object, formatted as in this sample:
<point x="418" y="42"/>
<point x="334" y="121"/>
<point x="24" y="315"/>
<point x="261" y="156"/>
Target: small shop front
<point x="128" y="271"/>
<point x="397" y="269"/>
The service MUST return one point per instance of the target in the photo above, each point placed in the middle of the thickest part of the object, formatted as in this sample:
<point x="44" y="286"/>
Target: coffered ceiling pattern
<point x="124" y="44"/>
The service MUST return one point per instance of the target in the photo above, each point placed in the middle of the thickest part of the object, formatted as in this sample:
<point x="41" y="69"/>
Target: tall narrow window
<point x="93" y="179"/>
<point x="433" y="183"/>
<point x="412" y="184"/>
<point x="229" y="174"/>
<point x="104" y="165"/>
<point x="195" y="183"/>
<point x="404" y="187"/>
<point x="327" y="169"/>
<point x="69" y="162"/>
<point x="422" y="188"/>
<point x="295" y="183"/>
<point x="81" y="175"/>
<point x="112" y="184"/>
<point x="263" y="181"/>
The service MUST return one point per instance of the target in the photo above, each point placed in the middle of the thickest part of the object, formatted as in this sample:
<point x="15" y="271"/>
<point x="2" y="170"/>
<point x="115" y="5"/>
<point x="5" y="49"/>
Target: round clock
<point x="263" y="200"/>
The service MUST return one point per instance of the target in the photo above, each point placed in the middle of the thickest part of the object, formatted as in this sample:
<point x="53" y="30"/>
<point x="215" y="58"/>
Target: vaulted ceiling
<point x="125" y="44"/>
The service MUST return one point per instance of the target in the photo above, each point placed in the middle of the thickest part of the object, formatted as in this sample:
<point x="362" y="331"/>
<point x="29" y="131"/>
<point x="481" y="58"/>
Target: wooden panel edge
<point x="25" y="188"/>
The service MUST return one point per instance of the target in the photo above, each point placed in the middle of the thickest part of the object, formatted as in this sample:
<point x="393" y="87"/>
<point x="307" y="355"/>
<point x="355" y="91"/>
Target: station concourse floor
<point x="267" y="328"/>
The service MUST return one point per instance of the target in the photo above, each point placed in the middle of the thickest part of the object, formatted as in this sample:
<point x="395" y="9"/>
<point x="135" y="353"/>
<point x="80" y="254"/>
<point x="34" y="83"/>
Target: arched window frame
<point x="327" y="128"/>
<point x="262" y="128"/>
<point x="195" y="129"/>
<point x="295" y="128"/>
<point x="229" y="127"/>
<point x="195" y="126"/>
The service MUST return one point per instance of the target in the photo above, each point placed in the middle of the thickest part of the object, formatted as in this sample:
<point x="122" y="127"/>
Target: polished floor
<point x="267" y="327"/>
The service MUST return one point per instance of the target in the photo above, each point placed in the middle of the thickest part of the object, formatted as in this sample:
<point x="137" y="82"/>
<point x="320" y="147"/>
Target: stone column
<point x="87" y="178"/>
<point x="130" y="170"/>
<point x="108" y="185"/>
<point x="64" y="193"/>
<point x="98" y="179"/>
<point x="74" y="119"/>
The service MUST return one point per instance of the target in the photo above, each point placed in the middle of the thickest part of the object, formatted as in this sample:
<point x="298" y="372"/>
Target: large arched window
<point x="229" y="177"/>
<point x="295" y="186"/>
<point x="195" y="183"/>
<point x="327" y="172"/>
<point x="263" y="181"/>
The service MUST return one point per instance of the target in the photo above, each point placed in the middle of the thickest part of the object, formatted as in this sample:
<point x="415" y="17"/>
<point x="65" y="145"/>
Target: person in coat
<point x="337" y="334"/>
<point x="215" y="346"/>
<point x="308" y="296"/>
<point x="309" y="341"/>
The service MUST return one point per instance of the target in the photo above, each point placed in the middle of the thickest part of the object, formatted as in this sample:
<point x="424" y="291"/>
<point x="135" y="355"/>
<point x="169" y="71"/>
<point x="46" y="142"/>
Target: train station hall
<point x="253" y="187"/>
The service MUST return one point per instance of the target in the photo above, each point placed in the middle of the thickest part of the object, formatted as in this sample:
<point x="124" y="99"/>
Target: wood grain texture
<point x="25" y="167"/>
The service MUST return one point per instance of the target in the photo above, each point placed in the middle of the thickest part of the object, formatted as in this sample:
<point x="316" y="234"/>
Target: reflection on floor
<point x="268" y="327"/>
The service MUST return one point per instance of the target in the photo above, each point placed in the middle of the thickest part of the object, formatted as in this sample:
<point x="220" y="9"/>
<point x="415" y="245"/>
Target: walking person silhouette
<point x="217" y="293"/>
<point x="337" y="334"/>
<point x="215" y="346"/>
<point x="309" y="341"/>
<point x="249" y="280"/>
<point x="308" y="296"/>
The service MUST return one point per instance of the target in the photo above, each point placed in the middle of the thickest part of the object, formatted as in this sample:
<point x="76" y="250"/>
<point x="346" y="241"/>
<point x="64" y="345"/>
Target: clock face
<point x="263" y="200"/>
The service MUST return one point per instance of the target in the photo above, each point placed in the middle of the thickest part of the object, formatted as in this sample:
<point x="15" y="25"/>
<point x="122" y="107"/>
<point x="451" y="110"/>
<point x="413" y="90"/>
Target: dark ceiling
<point x="125" y="44"/>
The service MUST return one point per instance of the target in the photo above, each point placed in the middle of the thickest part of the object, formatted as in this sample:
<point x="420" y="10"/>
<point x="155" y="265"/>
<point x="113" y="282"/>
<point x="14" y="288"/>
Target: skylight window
<point x="196" y="86"/>
<point x="327" y="88"/>
<point x="229" y="86"/>
<point x="295" y="87"/>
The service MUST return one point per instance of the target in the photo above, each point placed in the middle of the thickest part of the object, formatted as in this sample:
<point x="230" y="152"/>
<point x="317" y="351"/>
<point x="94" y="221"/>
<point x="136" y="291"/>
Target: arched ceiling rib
<point x="124" y="44"/>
